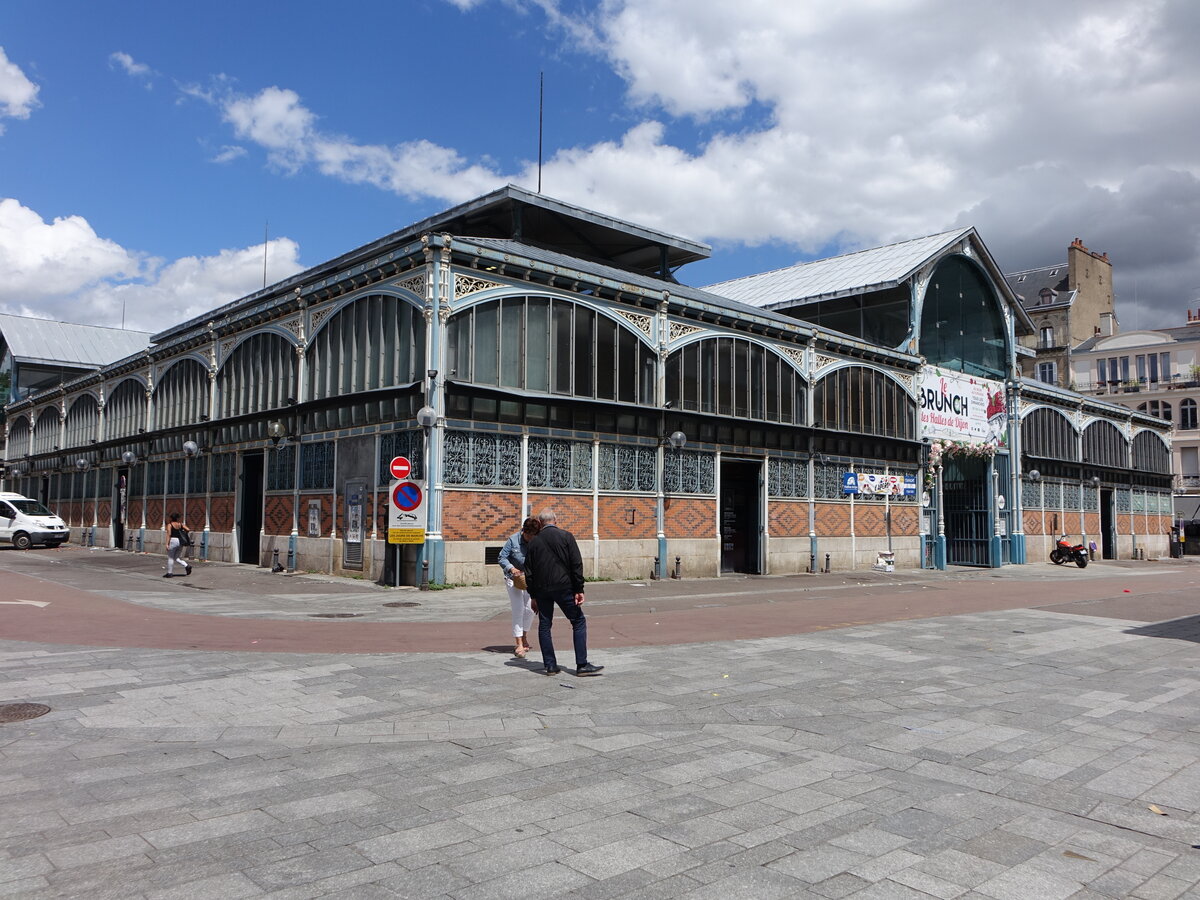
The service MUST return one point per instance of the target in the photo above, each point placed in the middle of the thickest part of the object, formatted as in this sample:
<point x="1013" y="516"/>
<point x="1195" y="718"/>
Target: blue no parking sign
<point x="406" y="513"/>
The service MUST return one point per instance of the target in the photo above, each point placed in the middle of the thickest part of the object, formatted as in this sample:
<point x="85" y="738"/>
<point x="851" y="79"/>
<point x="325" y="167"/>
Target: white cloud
<point x="132" y="68"/>
<point x="18" y="95"/>
<point x="228" y="153"/>
<point x="64" y="270"/>
<point x="852" y="124"/>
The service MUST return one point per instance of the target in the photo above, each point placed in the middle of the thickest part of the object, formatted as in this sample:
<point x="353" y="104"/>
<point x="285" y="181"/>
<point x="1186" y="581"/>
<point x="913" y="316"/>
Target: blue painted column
<point x="939" y="542"/>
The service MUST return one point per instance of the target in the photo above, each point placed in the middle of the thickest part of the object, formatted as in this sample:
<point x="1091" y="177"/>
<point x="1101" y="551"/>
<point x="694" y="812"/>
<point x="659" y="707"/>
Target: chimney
<point x="1195" y="318"/>
<point x="1106" y="324"/>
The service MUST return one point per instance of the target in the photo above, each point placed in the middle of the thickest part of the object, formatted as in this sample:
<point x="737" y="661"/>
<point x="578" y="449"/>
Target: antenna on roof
<point x="541" y="106"/>
<point x="266" y="230"/>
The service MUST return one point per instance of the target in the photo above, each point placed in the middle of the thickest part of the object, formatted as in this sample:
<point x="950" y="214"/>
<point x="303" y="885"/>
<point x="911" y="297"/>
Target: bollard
<point x="129" y="544"/>
<point x="676" y="574"/>
<point x="812" y="564"/>
<point x="275" y="566"/>
<point x="654" y="571"/>
<point x="826" y="563"/>
<point x="291" y="564"/>
<point x="425" y="575"/>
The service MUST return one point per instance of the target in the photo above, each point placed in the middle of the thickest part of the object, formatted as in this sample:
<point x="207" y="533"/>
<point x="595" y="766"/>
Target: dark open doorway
<point x="741" y="517"/>
<point x="967" y="511"/>
<point x="1108" y="525"/>
<point x="120" y="502"/>
<point x="250" y="509"/>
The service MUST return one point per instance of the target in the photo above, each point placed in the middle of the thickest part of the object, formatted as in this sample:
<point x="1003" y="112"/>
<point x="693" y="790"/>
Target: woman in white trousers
<point x="512" y="562"/>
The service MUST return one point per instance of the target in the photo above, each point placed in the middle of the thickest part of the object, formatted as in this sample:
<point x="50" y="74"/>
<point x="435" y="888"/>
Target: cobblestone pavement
<point x="1016" y="754"/>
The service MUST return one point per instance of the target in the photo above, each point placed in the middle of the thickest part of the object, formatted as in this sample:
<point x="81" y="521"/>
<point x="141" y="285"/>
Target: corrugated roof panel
<point x="44" y="340"/>
<point x="850" y="273"/>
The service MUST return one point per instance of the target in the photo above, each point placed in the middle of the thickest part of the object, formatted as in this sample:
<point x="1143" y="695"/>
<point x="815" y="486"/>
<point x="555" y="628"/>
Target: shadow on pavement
<point x="1185" y="629"/>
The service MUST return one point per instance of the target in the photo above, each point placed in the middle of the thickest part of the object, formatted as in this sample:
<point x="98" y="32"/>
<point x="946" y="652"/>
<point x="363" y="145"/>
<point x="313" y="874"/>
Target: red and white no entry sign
<point x="401" y="467"/>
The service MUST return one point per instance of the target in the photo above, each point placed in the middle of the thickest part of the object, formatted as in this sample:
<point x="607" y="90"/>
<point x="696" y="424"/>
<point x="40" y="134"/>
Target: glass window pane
<point x="562" y="347"/>
<point x="584" y="351"/>
<point x="606" y="358"/>
<point x="627" y="366"/>
<point x="485" y="347"/>
<point x="511" y="341"/>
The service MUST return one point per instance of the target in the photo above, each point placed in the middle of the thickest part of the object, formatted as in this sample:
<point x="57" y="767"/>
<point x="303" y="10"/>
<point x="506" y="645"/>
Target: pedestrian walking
<point x="512" y="562"/>
<point x="178" y="539"/>
<point x="554" y="574"/>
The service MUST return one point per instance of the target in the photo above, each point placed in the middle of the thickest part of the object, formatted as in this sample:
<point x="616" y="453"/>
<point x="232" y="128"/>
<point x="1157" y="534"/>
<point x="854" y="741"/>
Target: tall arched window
<point x="1150" y="454"/>
<point x="1048" y="434"/>
<point x="864" y="401"/>
<point x="375" y="342"/>
<point x="46" y="431"/>
<point x="125" y="411"/>
<point x="1187" y="414"/>
<point x="735" y="377"/>
<point x="19" y="435"/>
<point x="83" y="418"/>
<point x="962" y="327"/>
<point x="181" y="396"/>
<point x="1104" y="445"/>
<point x="259" y="375"/>
<point x="550" y="346"/>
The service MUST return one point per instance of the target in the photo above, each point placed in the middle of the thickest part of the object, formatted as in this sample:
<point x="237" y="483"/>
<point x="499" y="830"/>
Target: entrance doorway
<point x="968" y="512"/>
<point x="120" y="502"/>
<point x="1108" y="525"/>
<point x="250" y="514"/>
<point x="741" y="517"/>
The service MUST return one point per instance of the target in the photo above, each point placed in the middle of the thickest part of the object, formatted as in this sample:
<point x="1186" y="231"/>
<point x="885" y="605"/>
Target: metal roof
<point x="852" y="273"/>
<point x="45" y="341"/>
<point x="1029" y="284"/>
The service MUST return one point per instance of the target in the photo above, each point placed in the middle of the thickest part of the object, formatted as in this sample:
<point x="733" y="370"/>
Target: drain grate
<point x="396" y="603"/>
<point x="334" y="615"/>
<point x="19" y="712"/>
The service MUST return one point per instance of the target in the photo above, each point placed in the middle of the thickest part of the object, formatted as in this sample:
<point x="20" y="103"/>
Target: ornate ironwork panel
<point x="688" y="472"/>
<point x="1071" y="496"/>
<point x="487" y="460"/>
<point x="562" y="465"/>
<point x="198" y="475"/>
<point x="1031" y="494"/>
<point x="222" y="473"/>
<point x="1124" y="501"/>
<point x="1091" y="499"/>
<point x="828" y="478"/>
<point x="281" y="468"/>
<point x="316" y="466"/>
<point x="409" y="444"/>
<point x="156" y="476"/>
<point x="626" y="468"/>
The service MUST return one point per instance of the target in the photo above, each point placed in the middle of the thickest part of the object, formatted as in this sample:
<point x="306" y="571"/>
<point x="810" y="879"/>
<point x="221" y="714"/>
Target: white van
<point x="25" y="522"/>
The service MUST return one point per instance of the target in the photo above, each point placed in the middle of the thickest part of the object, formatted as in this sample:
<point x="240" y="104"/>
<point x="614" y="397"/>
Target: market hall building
<point x="524" y="353"/>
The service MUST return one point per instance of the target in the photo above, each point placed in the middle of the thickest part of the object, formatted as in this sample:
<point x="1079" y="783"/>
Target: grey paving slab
<point x="996" y="755"/>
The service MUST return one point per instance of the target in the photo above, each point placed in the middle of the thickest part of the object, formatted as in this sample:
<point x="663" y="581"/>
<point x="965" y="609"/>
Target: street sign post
<point x="406" y="511"/>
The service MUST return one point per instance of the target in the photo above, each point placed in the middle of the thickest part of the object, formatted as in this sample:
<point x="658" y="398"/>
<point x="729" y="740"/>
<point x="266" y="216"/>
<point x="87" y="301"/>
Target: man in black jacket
<point x="554" y="573"/>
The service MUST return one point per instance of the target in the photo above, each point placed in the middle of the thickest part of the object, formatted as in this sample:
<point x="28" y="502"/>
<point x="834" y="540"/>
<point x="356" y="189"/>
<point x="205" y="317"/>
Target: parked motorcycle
<point x="1064" y="551"/>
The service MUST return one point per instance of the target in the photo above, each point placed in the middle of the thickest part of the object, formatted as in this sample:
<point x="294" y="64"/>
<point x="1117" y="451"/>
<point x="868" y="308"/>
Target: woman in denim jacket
<point x="512" y="561"/>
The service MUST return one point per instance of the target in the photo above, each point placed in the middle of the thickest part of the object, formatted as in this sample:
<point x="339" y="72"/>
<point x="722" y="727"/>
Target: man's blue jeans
<point x="574" y="614"/>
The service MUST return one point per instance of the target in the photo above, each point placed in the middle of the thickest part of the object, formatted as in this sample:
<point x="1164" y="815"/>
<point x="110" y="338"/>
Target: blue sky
<point x="145" y="145"/>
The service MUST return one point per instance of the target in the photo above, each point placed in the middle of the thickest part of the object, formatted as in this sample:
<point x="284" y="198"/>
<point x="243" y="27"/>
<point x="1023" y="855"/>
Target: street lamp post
<point x="431" y="563"/>
<point x="676" y="440"/>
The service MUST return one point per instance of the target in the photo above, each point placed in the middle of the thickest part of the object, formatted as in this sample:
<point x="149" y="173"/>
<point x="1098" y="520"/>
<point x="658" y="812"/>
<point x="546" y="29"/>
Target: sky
<point x="153" y="154"/>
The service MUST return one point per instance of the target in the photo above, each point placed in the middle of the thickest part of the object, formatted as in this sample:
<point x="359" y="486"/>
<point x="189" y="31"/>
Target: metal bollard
<point x="826" y="563"/>
<point x="654" y="571"/>
<point x="275" y="566"/>
<point x="812" y="564"/>
<point x="676" y="574"/>
<point x="425" y="575"/>
<point x="291" y="563"/>
<point x="129" y="544"/>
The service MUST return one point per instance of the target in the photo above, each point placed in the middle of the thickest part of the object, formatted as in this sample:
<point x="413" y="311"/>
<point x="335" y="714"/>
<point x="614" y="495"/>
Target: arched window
<point x="19" y="438"/>
<point x="46" y="430"/>
<point x="1047" y="434"/>
<point x="259" y="375"/>
<point x="865" y="401"/>
<point x="181" y="396"/>
<point x="82" y="420"/>
<point x="375" y="342"/>
<point x="962" y="327"/>
<point x="1150" y="454"/>
<point x="1187" y="414"/>
<point x="1104" y="445"/>
<point x="549" y="346"/>
<point x="735" y="377"/>
<point x="125" y="411"/>
<point x="1159" y="408"/>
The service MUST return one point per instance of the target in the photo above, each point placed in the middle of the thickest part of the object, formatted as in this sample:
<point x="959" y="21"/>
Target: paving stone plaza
<point x="1012" y="754"/>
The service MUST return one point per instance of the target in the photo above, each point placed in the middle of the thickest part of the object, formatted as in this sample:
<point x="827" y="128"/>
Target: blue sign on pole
<point x="910" y="485"/>
<point x="850" y="483"/>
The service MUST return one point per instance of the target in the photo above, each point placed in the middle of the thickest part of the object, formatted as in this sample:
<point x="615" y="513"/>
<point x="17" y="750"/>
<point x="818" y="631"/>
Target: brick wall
<point x="690" y="517"/>
<point x="833" y="519"/>
<point x="133" y="514"/>
<point x="487" y="516"/>
<point x="906" y="520"/>
<point x="1033" y="521"/>
<point x="277" y="514"/>
<point x="154" y="514"/>
<point x="326" y="519"/>
<point x="614" y="516"/>
<point x="574" y="510"/>
<point x="220" y="513"/>
<point x="869" y="520"/>
<point x="787" y="518"/>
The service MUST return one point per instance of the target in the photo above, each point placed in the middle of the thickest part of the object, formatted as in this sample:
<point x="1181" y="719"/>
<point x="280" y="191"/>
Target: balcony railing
<point x="1177" y="382"/>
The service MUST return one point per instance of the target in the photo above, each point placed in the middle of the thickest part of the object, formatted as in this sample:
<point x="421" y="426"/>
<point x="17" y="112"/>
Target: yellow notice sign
<point x="406" y="535"/>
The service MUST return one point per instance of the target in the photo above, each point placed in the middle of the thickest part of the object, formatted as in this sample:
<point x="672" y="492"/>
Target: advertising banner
<point x="959" y="407"/>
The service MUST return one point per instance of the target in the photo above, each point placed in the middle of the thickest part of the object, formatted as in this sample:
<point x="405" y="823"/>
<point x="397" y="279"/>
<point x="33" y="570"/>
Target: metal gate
<point x="968" y="513"/>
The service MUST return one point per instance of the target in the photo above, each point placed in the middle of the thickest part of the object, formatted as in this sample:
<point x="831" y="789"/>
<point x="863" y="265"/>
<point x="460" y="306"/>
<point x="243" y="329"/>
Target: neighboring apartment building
<point x="1155" y="372"/>
<point x="1068" y="303"/>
